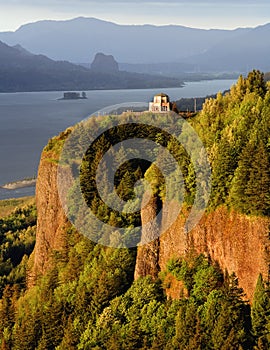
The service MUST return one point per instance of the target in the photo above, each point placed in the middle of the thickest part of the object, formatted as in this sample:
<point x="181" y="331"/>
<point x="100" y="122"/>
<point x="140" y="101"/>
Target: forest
<point x="88" y="299"/>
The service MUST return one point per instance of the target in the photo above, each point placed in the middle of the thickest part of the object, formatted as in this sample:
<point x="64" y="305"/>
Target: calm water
<point x="29" y="120"/>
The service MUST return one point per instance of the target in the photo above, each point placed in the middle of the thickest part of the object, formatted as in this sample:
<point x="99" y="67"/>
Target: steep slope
<point x="238" y="243"/>
<point x="52" y="224"/>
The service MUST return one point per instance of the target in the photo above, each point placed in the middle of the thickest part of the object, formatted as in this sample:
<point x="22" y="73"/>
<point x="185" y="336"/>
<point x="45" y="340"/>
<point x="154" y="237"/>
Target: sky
<point x="193" y="13"/>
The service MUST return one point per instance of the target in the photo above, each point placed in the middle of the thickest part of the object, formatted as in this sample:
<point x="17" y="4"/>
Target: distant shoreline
<point x="19" y="184"/>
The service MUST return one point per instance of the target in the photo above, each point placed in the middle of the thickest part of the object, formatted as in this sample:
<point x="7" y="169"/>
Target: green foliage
<point x="251" y="183"/>
<point x="235" y="128"/>
<point x="89" y="301"/>
<point x="261" y="314"/>
<point x="17" y="239"/>
<point x="215" y="316"/>
<point x="182" y="177"/>
<point x="76" y="290"/>
<point x="8" y="206"/>
<point x="55" y="144"/>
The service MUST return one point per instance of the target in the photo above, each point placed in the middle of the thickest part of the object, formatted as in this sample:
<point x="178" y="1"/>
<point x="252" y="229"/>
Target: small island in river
<point x="73" y="96"/>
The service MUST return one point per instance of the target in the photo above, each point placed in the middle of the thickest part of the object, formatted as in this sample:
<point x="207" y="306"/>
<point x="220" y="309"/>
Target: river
<point x="29" y="120"/>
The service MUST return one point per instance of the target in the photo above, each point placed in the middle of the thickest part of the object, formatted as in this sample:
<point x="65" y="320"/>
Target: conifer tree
<point x="255" y="83"/>
<point x="238" y="196"/>
<point x="258" y="186"/>
<point x="260" y="313"/>
<point x="223" y="170"/>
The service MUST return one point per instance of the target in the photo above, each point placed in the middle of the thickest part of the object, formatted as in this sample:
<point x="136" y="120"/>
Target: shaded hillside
<point x="23" y="71"/>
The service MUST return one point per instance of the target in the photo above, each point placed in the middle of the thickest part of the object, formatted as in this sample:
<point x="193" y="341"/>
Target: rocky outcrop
<point x="148" y="250"/>
<point x="237" y="242"/>
<point x="52" y="223"/>
<point x="104" y="64"/>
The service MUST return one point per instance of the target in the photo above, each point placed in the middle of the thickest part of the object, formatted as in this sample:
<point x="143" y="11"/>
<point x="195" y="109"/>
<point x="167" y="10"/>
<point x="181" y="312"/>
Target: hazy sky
<point x="195" y="13"/>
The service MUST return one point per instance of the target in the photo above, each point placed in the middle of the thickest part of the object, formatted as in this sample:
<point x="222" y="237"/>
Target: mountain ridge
<point x="157" y="44"/>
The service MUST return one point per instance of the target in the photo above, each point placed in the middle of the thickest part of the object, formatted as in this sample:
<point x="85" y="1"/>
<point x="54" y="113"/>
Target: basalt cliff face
<point x="52" y="224"/>
<point x="238" y="243"/>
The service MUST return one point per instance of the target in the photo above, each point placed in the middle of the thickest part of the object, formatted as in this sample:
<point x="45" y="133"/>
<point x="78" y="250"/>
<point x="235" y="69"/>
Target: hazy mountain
<point x="22" y="71"/>
<point x="150" y="49"/>
<point x="245" y="52"/>
<point x="79" y="39"/>
<point x="164" y="68"/>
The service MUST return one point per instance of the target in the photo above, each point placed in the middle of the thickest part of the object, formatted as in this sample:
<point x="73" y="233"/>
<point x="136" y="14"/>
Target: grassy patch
<point x="7" y="206"/>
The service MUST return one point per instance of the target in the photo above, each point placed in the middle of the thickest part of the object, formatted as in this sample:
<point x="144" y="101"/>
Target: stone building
<point x="161" y="103"/>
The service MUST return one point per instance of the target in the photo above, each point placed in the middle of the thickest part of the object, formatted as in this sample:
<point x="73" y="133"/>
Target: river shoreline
<point x="19" y="184"/>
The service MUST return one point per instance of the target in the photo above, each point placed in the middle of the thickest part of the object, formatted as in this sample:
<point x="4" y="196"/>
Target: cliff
<point x="52" y="223"/>
<point x="237" y="242"/>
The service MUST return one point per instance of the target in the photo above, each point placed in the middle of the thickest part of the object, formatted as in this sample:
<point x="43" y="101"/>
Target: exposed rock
<point x="104" y="64"/>
<point x="237" y="242"/>
<point x="52" y="223"/>
<point x="148" y="250"/>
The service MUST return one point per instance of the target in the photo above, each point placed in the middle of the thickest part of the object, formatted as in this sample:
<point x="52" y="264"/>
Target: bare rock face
<point x="148" y="250"/>
<point x="52" y="223"/>
<point x="104" y="64"/>
<point x="237" y="242"/>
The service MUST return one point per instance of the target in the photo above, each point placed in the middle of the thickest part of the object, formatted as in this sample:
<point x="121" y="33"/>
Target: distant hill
<point x="21" y="70"/>
<point x="147" y="48"/>
<point x="247" y="51"/>
<point x="79" y="39"/>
